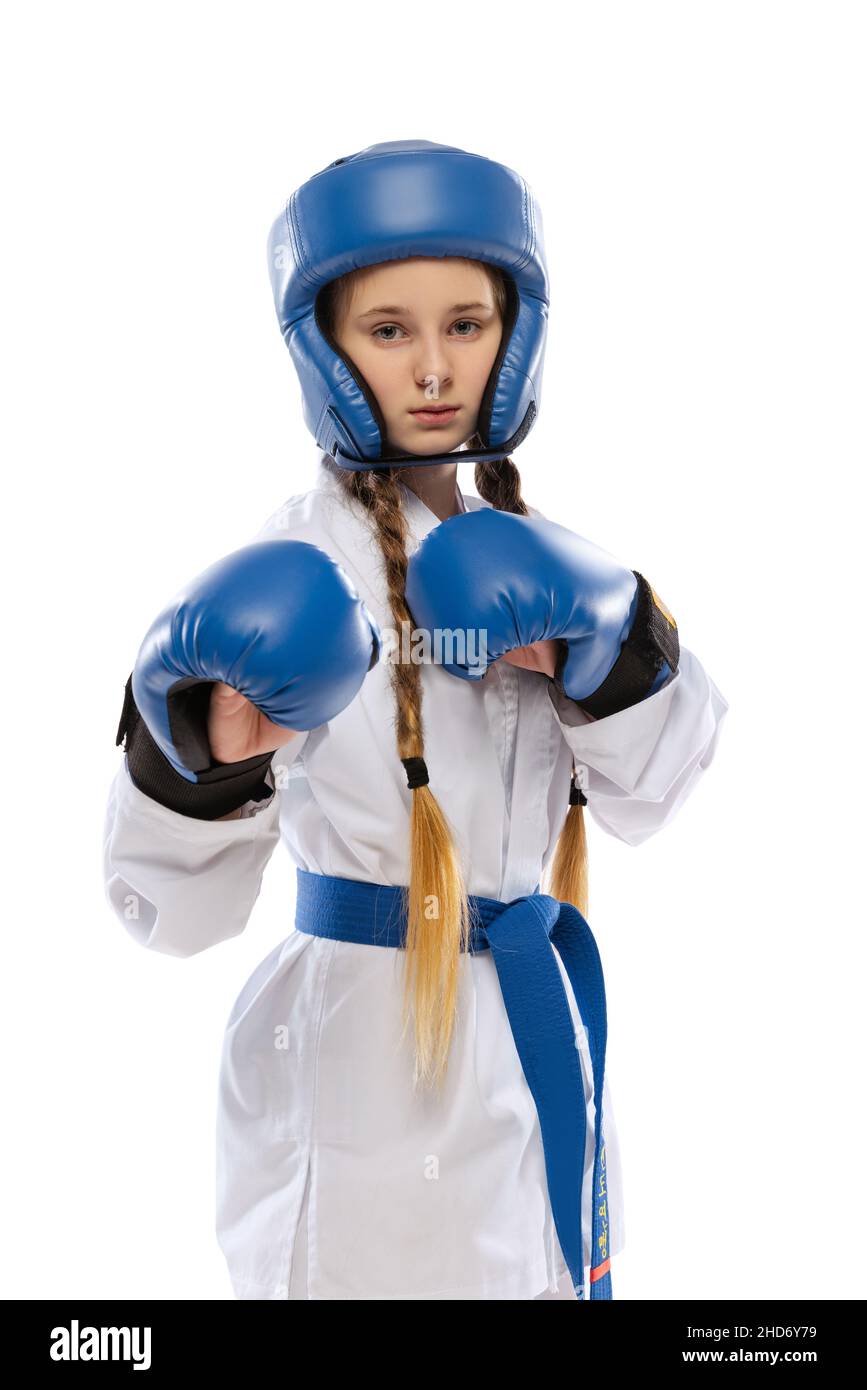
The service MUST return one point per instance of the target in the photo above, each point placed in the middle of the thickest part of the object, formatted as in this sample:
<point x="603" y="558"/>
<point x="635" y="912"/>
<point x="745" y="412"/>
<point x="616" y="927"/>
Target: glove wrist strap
<point x="222" y="788"/>
<point x="652" y="643"/>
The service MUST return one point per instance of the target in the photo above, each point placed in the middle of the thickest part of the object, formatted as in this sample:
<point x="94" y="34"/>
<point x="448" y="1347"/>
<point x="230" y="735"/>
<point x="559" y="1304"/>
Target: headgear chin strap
<point x="386" y="203"/>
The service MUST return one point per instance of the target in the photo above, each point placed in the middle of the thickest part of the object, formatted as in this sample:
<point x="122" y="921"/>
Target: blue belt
<point x="521" y="935"/>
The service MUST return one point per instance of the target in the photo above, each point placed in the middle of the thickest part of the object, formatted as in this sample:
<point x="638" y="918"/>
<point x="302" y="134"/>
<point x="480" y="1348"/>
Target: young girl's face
<point x="423" y="332"/>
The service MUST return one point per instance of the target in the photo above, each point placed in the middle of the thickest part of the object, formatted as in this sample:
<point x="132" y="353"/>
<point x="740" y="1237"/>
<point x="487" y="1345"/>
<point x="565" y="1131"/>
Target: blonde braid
<point x="436" y="904"/>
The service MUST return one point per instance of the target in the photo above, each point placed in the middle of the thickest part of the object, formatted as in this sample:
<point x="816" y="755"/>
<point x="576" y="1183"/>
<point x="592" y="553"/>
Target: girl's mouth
<point x="435" y="416"/>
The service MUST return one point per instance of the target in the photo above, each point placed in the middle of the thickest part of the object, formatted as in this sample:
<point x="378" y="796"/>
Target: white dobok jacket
<point x="335" y="1178"/>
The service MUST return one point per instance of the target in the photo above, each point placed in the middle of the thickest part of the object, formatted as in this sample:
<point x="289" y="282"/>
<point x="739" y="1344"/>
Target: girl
<point x="412" y="1096"/>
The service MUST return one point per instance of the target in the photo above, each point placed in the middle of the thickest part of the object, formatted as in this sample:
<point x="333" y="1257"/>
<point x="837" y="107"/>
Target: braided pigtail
<point x="437" y="909"/>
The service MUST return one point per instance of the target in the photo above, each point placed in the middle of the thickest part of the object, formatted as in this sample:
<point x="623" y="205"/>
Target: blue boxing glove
<point x="280" y="622"/>
<point x="521" y="580"/>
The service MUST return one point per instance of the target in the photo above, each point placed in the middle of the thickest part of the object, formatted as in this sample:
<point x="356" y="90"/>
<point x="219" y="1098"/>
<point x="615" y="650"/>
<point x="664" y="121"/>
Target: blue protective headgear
<point x="386" y="203"/>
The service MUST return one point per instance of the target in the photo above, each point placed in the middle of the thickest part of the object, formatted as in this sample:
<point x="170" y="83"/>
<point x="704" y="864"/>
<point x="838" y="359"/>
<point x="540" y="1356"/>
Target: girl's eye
<point x="471" y="324"/>
<point x="384" y="329"/>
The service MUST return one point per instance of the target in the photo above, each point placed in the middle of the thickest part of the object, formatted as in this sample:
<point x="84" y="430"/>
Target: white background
<point x="700" y="168"/>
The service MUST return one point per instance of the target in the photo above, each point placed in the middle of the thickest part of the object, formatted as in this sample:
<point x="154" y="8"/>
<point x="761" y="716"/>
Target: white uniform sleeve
<point x="178" y="884"/>
<point x="643" y="762"/>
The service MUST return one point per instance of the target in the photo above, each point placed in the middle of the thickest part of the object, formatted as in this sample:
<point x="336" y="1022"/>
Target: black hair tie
<point x="576" y="796"/>
<point x="416" y="772"/>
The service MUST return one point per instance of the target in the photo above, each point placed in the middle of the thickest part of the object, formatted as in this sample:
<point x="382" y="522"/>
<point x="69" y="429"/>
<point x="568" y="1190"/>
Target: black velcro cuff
<point x="222" y="788"/>
<point x="653" y="640"/>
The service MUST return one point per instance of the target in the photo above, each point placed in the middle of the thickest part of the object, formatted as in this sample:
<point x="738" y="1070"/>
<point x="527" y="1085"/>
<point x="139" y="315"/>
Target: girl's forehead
<point x="414" y="273"/>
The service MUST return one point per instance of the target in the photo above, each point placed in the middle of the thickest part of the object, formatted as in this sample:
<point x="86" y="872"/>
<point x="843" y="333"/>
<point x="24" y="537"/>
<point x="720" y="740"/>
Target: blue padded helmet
<point x="385" y="203"/>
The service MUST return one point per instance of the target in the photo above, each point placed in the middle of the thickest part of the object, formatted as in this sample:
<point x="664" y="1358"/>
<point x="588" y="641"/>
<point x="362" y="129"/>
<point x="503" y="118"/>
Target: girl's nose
<point x="432" y="360"/>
